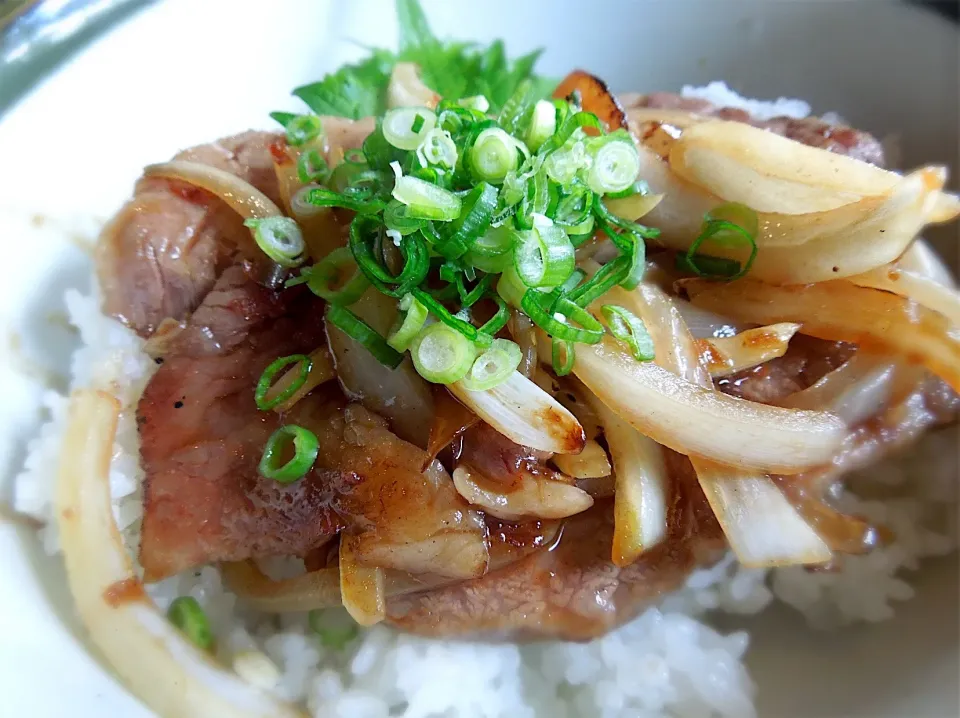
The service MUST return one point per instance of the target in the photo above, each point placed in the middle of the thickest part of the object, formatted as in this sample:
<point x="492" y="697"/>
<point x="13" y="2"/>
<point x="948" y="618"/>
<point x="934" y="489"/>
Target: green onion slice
<point x="494" y="153"/>
<point x="414" y="317"/>
<point x="301" y="129"/>
<point x="311" y="167"/>
<point x="334" y="626"/>
<point x="545" y="256"/>
<point x="510" y="287"/>
<point x="185" y="613"/>
<point x="337" y="278"/>
<point x="498" y="321"/>
<point x="425" y="200"/>
<point x="323" y="197"/>
<point x="270" y="373"/>
<point x="469" y="297"/>
<point x="561" y="318"/>
<point x="571" y="124"/>
<point x="280" y="239"/>
<point x="517" y="106"/>
<point x="474" y="220"/>
<point x="441" y="354"/>
<point x="562" y="356"/>
<point x="608" y="276"/>
<point x="477" y="102"/>
<point x="494" y="366"/>
<point x="395" y="217"/>
<point x="454" y="322"/>
<point x="615" y="165"/>
<point x="364" y="233"/>
<point x="543" y="123"/>
<point x="563" y="165"/>
<point x="305" y="450"/>
<point x="406" y="127"/>
<point x="628" y="328"/>
<point x="437" y="148"/>
<point x="724" y="233"/>
<point x="358" y="330"/>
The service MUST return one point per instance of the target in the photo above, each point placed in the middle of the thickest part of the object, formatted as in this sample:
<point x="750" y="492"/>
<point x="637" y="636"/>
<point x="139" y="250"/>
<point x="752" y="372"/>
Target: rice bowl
<point x="583" y="669"/>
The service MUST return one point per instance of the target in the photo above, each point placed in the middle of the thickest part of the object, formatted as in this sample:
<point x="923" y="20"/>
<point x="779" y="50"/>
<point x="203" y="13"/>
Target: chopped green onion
<point x="303" y="128"/>
<point x="494" y="366"/>
<point x="425" y="200"/>
<point x="337" y="278"/>
<point x="562" y="356"/>
<point x="334" y="626"/>
<point x="615" y="166"/>
<point x="311" y="167"/>
<point x="738" y="214"/>
<point x="493" y="251"/>
<point x="545" y="256"/>
<point x="571" y="124"/>
<point x="629" y="329"/>
<point x="395" y="217"/>
<point x="477" y="102"/>
<point x="510" y="287"/>
<point x="266" y="380"/>
<point x="608" y="276"/>
<point x="185" y="613"/>
<point x="280" y="239"/>
<point x="563" y="165"/>
<point x="358" y="330"/>
<point x="469" y="297"/>
<point x="639" y="187"/>
<point x="493" y="155"/>
<point x="305" y="450"/>
<point x="554" y="316"/>
<point x="543" y="123"/>
<point x="451" y="320"/>
<point x="405" y="127"/>
<point x="724" y="233"/>
<point x="364" y="234"/>
<point x="415" y="316"/>
<point x="474" y="219"/>
<point x="437" y="148"/>
<point x="517" y="107"/>
<point x="498" y="321"/>
<point x="441" y="354"/>
<point x="323" y="197"/>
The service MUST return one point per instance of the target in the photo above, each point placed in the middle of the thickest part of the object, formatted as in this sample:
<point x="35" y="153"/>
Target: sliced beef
<point x="202" y="437"/>
<point x="163" y="251"/>
<point x="570" y="589"/>
<point x="811" y="131"/>
<point x="806" y="361"/>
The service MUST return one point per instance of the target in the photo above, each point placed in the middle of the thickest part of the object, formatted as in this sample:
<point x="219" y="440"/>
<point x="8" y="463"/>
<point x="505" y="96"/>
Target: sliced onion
<point x="748" y="514"/>
<point x="450" y="420"/>
<point x="241" y="196"/>
<point x="763" y="528"/>
<point x="534" y="496"/>
<point x="855" y="391"/>
<point x="640" y="498"/>
<point x="406" y="89"/>
<point x="362" y="588"/>
<point x="145" y="650"/>
<point x="840" y="311"/>
<point x="401" y="396"/>
<point x="797" y="249"/>
<point x="923" y="290"/>
<point x="591" y="463"/>
<point x="695" y="420"/>
<point x="723" y="356"/>
<point x="771" y="173"/>
<point x="921" y="259"/>
<point x="635" y="206"/>
<point x="525" y="414"/>
<point x="311" y="590"/>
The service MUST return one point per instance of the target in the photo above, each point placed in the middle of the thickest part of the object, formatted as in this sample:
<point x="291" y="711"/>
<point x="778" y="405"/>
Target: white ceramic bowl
<point x="184" y="72"/>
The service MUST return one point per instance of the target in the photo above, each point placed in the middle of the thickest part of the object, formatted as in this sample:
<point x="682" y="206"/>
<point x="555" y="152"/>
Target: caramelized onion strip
<point x="922" y="289"/>
<point x="724" y="356"/>
<point x="241" y="196"/>
<point x="533" y="496"/>
<point x="135" y="638"/>
<point x="591" y="463"/>
<point x="840" y="311"/>
<point x="362" y="588"/>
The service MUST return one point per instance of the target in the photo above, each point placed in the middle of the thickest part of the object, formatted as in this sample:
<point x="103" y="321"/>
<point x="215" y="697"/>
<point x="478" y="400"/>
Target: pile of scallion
<point x="454" y="207"/>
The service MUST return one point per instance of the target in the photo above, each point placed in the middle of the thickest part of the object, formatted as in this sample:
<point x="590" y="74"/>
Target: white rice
<point x="665" y="663"/>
